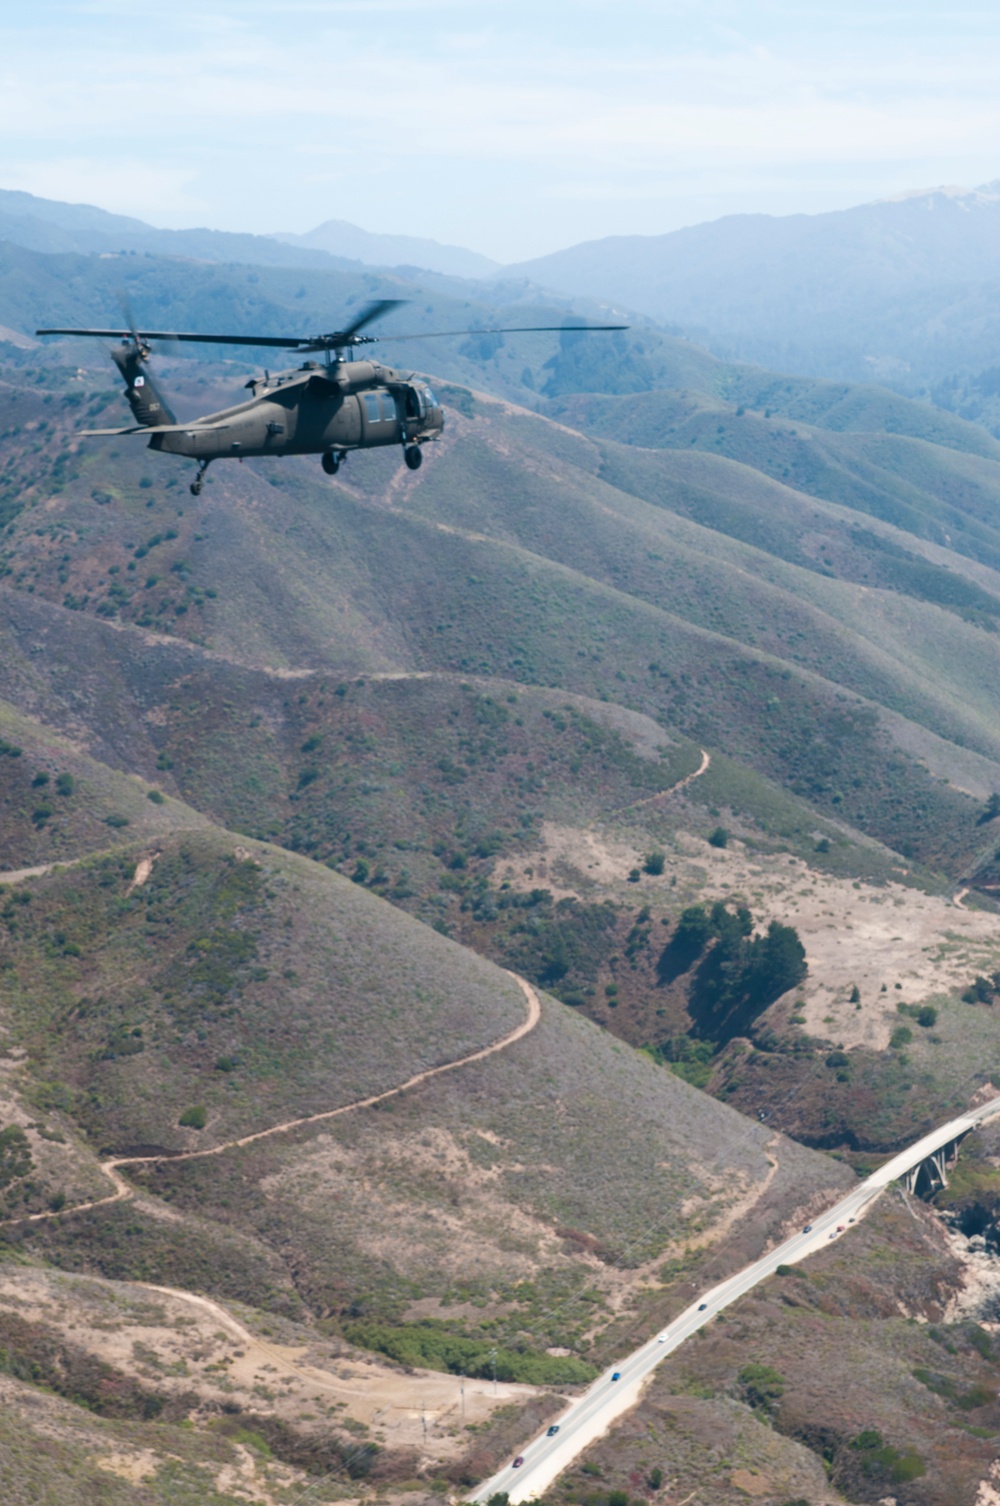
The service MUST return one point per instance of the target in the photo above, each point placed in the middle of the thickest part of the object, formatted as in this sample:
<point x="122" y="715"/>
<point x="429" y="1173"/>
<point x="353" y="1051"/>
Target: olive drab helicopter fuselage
<point x="326" y="408"/>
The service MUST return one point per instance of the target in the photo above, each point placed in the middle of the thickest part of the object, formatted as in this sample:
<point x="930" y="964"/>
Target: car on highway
<point x="702" y="1306"/>
<point x="616" y="1375"/>
<point x="841" y="1228"/>
<point x="518" y="1462"/>
<point x="553" y="1430"/>
<point x="661" y="1338"/>
<point x="808" y="1229"/>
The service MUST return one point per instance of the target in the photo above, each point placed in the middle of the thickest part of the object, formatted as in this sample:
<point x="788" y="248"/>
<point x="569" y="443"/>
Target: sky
<point x="512" y="127"/>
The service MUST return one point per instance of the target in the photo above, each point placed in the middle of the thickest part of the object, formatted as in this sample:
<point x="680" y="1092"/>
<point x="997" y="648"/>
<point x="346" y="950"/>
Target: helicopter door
<point x="390" y="415"/>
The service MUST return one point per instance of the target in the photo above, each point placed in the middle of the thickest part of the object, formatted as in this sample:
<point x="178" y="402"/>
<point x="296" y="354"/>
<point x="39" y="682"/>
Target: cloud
<point x="452" y="114"/>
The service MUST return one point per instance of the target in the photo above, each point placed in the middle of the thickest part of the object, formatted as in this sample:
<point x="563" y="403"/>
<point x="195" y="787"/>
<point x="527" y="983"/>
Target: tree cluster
<point x="738" y="975"/>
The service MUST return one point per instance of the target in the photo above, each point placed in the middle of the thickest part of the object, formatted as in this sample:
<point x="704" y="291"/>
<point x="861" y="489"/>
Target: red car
<point x="518" y="1462"/>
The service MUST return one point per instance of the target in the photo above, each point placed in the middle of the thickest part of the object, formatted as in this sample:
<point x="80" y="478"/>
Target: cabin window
<point x="388" y="407"/>
<point x="432" y="401"/>
<point x="371" y="407"/>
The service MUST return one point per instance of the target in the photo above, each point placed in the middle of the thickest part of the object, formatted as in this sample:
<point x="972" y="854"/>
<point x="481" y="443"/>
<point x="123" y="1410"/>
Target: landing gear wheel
<point x="330" y="462"/>
<point x="413" y="457"/>
<point x="199" y="480"/>
<point x="196" y="488"/>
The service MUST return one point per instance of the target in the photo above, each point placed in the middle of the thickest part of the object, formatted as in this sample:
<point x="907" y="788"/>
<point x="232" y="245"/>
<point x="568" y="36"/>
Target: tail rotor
<point x="131" y="356"/>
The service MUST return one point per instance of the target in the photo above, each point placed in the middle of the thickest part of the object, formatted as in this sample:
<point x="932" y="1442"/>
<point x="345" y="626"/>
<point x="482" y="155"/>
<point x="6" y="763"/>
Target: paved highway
<point x="592" y="1414"/>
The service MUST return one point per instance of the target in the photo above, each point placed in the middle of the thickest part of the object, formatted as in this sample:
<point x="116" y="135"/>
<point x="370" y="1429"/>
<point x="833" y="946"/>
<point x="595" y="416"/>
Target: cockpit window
<point x="432" y="401"/>
<point x="415" y="403"/>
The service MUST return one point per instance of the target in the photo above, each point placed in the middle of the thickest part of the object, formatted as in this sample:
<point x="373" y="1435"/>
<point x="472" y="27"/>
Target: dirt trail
<point x="123" y="1190"/>
<point x="703" y="767"/>
<point x="378" y="1394"/>
<point x="15" y="875"/>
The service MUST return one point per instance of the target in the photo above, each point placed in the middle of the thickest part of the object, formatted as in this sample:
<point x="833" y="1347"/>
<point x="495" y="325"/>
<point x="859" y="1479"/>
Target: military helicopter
<point x="325" y="408"/>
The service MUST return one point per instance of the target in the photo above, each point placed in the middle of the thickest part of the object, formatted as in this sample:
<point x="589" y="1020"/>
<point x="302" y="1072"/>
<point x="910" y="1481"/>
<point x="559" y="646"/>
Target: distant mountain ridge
<point x="340" y="238"/>
<point x="51" y="226"/>
<point x="902" y="290"/>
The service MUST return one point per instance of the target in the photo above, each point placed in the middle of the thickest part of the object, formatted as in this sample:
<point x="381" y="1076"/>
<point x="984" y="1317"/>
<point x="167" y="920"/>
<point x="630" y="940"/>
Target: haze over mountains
<point x="903" y="291"/>
<point x="670" y="686"/>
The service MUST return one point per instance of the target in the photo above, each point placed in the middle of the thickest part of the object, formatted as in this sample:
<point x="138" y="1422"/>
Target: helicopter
<point x="326" y="408"/>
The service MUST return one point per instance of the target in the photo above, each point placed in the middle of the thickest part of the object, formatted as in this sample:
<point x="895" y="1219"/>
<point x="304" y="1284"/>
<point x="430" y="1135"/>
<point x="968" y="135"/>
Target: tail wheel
<point x="413" y="457"/>
<point x="331" y="462"/>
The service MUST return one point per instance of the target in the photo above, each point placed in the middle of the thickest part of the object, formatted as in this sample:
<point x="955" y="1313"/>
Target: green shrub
<point x="116" y="820"/>
<point x="881" y="1460"/>
<point x="762" y="1386"/>
<point x="434" y="1346"/>
<point x="719" y="837"/>
<point x="156" y="797"/>
<point x="15" y="1155"/>
<point x="194" y="1118"/>
<point x="980" y="1340"/>
<point x="869" y="1438"/>
<point x="655" y="862"/>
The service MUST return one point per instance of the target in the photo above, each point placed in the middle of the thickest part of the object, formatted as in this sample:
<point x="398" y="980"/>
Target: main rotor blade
<point x="284" y="341"/>
<point x="506" y="329"/>
<point x="338" y="338"/>
<point x="375" y="310"/>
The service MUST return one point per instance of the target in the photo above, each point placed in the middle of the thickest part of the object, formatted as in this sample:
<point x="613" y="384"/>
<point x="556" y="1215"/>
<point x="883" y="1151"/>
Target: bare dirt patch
<point x="856" y="935"/>
<point x="177" y="1341"/>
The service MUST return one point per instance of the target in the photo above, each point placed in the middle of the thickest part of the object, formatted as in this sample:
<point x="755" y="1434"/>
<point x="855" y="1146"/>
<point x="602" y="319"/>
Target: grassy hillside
<point x="272" y="989"/>
<point x="274" y="574"/>
<point x="547" y="697"/>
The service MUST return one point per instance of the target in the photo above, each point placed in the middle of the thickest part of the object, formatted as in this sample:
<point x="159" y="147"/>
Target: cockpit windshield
<point x="429" y="398"/>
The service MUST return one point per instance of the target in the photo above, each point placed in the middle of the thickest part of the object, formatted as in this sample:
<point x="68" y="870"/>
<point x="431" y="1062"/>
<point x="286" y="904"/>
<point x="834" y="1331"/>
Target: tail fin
<point x="144" y="398"/>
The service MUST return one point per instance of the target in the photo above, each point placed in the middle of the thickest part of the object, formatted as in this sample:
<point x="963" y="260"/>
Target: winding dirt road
<point x="124" y="1191"/>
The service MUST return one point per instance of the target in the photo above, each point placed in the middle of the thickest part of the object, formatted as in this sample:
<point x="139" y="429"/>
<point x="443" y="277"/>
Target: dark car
<point x="702" y="1306"/>
<point x="553" y="1430"/>
<point x="808" y="1229"/>
<point x="616" y="1375"/>
<point x="518" y="1462"/>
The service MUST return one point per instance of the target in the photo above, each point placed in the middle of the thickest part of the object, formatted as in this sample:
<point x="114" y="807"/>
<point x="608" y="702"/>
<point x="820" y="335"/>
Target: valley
<point x="449" y="918"/>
